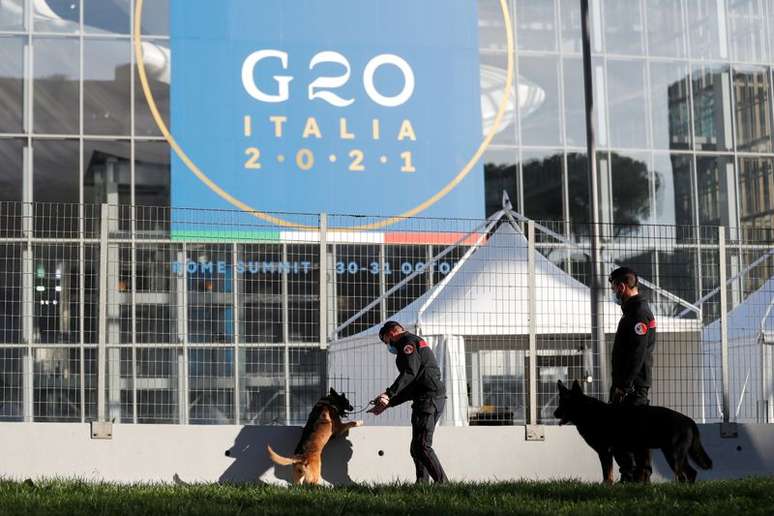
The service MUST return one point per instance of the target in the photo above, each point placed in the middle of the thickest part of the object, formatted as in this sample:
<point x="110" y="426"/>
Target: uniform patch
<point x="408" y="349"/>
<point x="640" y="328"/>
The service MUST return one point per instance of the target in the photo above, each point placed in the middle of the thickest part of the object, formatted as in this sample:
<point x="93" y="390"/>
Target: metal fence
<point x="155" y="315"/>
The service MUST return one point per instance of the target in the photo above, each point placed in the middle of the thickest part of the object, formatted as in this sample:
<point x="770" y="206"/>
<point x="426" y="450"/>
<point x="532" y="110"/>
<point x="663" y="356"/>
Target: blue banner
<point x="344" y="106"/>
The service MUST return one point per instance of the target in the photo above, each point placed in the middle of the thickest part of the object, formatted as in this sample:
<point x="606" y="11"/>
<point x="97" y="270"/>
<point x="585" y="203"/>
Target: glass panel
<point x="10" y="293"/>
<point x="753" y="109"/>
<point x="670" y="105"/>
<point x="674" y="189"/>
<point x="491" y="29"/>
<point x="106" y="95"/>
<point x="56" y="385"/>
<point x="500" y="174"/>
<point x="158" y="378"/>
<point x="357" y="284"/>
<point x="536" y="24"/>
<point x="626" y="104"/>
<point x="211" y="386"/>
<point x="11" y="84"/>
<point x="107" y="16"/>
<point x="155" y="18"/>
<point x="630" y="183"/>
<point x="12" y="158"/>
<point x="210" y="287"/>
<point x="756" y="194"/>
<point x="56" y="72"/>
<point x="304" y="293"/>
<point x="157" y="57"/>
<point x="575" y="101"/>
<point x="666" y="35"/>
<point x="707" y="30"/>
<point x="56" y="16"/>
<point x="260" y="294"/>
<point x="400" y="261"/>
<point x="157" y="272"/>
<point x="747" y="31"/>
<point x="151" y="188"/>
<point x="308" y="377"/>
<point x="542" y="172"/>
<point x="623" y="27"/>
<point x="56" y="180"/>
<point x="11" y="384"/>
<point x="493" y="75"/>
<point x="539" y="100"/>
<point x="578" y="190"/>
<point x="55" y="297"/>
<point x="262" y="386"/>
<point x="571" y="27"/>
<point x="12" y="15"/>
<point x="716" y="196"/>
<point x="712" y="108"/>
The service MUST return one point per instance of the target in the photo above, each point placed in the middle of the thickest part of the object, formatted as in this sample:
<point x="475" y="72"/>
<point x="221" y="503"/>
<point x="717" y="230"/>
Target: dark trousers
<point x="424" y="416"/>
<point x="634" y="466"/>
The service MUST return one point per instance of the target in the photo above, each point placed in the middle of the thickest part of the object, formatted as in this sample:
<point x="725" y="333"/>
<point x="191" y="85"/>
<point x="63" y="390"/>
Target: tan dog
<point x="323" y="423"/>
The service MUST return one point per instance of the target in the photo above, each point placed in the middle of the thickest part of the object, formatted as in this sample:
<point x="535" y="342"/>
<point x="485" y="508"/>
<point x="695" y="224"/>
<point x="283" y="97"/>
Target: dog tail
<point x="697" y="452"/>
<point x="282" y="461"/>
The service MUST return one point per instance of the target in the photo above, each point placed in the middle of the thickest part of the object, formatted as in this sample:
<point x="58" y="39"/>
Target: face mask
<point x="392" y="349"/>
<point x="615" y="298"/>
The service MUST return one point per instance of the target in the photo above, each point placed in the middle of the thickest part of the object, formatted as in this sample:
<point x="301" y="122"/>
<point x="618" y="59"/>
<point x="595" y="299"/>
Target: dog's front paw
<point x="359" y="422"/>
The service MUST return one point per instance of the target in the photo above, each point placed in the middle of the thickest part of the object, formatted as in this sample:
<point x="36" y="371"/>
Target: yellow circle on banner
<point x="137" y="39"/>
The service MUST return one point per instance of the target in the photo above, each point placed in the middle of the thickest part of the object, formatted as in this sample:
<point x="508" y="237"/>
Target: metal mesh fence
<point x="158" y="315"/>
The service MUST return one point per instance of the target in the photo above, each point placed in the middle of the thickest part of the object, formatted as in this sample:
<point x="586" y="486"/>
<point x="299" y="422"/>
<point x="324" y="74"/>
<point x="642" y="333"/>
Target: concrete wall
<point x="237" y="454"/>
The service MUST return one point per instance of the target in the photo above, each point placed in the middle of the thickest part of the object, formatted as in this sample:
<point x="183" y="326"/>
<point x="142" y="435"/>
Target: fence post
<point x="323" y="280"/>
<point x="103" y="306"/>
<point x="723" y="324"/>
<point x="286" y="333"/>
<point x="531" y="304"/>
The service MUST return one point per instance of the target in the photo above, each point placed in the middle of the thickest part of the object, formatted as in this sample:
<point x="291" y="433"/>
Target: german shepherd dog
<point x="606" y="427"/>
<point x="323" y="423"/>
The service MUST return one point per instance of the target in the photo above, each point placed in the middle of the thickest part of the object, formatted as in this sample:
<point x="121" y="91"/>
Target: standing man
<point x="632" y="359"/>
<point x="419" y="381"/>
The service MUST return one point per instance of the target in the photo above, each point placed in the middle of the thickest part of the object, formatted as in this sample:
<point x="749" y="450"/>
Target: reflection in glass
<point x="630" y="187"/>
<point x="106" y="16"/>
<point x="542" y="171"/>
<point x="578" y="191"/>
<point x="10" y="294"/>
<point x="706" y="30"/>
<point x="155" y="18"/>
<point x="712" y="108"/>
<point x="752" y="109"/>
<point x="491" y="28"/>
<point x="55" y="180"/>
<point x="666" y="36"/>
<point x="106" y="96"/>
<point x="158" y="70"/>
<point x="260" y="294"/>
<point x="56" y="16"/>
<point x="756" y="194"/>
<point x="539" y="100"/>
<point x="674" y="189"/>
<point x="626" y="104"/>
<point x="56" y="293"/>
<point x="106" y="175"/>
<point x="151" y="186"/>
<point x="536" y="24"/>
<point x="11" y="171"/>
<point x="303" y="293"/>
<point x="11" y="84"/>
<point x="12" y="15"/>
<point x="493" y="76"/>
<point x="571" y="27"/>
<point x="56" y="73"/>
<point x="623" y="27"/>
<point x="670" y="101"/>
<point x="747" y="30"/>
<point x="715" y="186"/>
<point x="500" y="174"/>
<point x="575" y="101"/>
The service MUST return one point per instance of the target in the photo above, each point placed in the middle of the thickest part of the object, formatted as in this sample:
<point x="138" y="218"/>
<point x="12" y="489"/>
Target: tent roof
<point x="748" y="318"/>
<point x="487" y="294"/>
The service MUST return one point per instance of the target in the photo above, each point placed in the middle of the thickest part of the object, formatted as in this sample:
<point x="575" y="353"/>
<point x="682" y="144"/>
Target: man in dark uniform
<point x="632" y="360"/>
<point x="419" y="381"/>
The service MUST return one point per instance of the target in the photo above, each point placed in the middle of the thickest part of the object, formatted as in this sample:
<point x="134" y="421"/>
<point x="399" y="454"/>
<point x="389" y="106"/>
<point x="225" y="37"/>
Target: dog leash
<point x="362" y="409"/>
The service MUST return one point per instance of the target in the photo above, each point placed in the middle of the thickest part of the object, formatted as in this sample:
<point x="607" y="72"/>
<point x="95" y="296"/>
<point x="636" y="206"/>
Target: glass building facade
<point x="683" y="95"/>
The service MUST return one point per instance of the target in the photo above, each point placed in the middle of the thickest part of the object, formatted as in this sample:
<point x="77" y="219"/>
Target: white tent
<point x="484" y="297"/>
<point x="750" y="338"/>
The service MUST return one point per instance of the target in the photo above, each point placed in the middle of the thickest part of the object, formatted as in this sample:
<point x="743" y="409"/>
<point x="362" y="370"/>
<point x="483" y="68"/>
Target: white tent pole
<point x="532" y="308"/>
<point x="416" y="273"/>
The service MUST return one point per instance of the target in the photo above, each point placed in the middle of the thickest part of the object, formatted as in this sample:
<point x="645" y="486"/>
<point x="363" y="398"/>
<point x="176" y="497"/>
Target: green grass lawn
<point x="752" y="496"/>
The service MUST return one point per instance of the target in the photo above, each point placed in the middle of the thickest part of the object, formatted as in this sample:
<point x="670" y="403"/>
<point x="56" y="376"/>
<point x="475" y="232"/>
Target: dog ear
<point x="576" y="388"/>
<point x="560" y="385"/>
<point x="332" y="392"/>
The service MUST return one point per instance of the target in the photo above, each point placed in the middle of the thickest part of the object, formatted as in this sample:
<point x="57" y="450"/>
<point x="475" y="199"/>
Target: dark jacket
<point x="420" y="377"/>
<point x="635" y="340"/>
